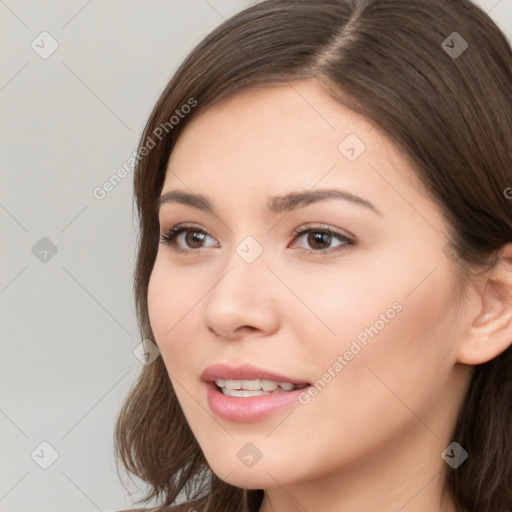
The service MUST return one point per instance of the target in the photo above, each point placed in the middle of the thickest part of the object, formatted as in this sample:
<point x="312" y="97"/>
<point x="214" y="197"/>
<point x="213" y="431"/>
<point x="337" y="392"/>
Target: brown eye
<point x="186" y="238"/>
<point x="319" y="240"/>
<point x="194" y="239"/>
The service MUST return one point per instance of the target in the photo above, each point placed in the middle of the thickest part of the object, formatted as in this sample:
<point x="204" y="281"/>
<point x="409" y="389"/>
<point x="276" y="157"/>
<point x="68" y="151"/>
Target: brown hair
<point x="451" y="115"/>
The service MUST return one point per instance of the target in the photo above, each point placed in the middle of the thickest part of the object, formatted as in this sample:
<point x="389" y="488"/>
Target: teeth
<point x="269" y="385"/>
<point x="233" y="384"/>
<point x="256" y="387"/>
<point x="287" y="386"/>
<point x="242" y="393"/>
<point x="251" y="385"/>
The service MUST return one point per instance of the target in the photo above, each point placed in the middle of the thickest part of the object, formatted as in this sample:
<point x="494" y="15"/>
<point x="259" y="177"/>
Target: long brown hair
<point x="448" y="108"/>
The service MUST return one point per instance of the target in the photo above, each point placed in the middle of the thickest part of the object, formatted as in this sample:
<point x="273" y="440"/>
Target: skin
<point x="372" y="438"/>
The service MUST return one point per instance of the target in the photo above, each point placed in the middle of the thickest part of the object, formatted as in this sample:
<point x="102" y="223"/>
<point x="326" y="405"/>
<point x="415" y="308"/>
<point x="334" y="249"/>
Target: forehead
<point x="291" y="109"/>
<point x="291" y="118"/>
<point x="285" y="134"/>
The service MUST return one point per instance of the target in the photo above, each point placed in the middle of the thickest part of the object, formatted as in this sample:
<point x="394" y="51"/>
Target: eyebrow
<point x="276" y="205"/>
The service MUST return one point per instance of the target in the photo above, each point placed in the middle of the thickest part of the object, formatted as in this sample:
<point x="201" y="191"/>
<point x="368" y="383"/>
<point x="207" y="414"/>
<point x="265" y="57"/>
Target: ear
<point x="490" y="333"/>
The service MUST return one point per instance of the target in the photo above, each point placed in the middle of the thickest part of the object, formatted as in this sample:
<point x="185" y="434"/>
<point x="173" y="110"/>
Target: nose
<point x="243" y="301"/>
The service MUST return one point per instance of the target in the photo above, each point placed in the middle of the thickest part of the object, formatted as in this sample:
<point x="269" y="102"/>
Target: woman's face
<point x="349" y="295"/>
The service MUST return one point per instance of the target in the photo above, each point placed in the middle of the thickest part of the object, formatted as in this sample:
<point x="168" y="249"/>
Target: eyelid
<point x="348" y="240"/>
<point x="323" y="228"/>
<point x="170" y="235"/>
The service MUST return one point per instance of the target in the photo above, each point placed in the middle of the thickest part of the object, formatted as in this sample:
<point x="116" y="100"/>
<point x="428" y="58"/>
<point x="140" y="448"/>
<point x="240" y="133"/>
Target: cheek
<point x="331" y="306"/>
<point x="161" y="300"/>
<point x="170" y="305"/>
<point x="403" y="357"/>
<point x="367" y="324"/>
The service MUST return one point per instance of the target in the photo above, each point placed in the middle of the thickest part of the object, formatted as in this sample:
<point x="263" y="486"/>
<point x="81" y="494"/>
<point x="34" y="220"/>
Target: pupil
<point x="194" y="238"/>
<point x="315" y="238"/>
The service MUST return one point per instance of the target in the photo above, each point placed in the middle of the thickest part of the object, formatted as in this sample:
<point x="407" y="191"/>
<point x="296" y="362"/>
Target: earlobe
<point x="490" y="332"/>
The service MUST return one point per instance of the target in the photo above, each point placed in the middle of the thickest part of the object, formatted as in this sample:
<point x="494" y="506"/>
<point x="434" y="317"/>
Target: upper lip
<point x="244" y="372"/>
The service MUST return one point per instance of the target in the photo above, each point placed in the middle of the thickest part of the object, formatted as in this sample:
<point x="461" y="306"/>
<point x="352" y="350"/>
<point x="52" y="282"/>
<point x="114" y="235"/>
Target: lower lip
<point x="253" y="408"/>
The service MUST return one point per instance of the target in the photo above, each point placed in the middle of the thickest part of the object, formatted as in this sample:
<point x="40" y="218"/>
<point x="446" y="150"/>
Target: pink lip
<point x="252" y="408"/>
<point x="244" y="372"/>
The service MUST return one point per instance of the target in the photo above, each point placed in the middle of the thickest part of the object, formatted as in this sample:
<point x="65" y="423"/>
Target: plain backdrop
<point x="78" y="79"/>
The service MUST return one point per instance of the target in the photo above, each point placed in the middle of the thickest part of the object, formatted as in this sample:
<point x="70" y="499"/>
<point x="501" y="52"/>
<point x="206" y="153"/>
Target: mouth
<point x="249" y="394"/>
<point x="255" y="387"/>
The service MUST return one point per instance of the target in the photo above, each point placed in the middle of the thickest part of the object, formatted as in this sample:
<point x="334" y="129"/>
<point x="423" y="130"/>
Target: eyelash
<point x="169" y="238"/>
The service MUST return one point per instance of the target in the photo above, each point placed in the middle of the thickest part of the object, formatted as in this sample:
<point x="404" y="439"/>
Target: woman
<point x="325" y="265"/>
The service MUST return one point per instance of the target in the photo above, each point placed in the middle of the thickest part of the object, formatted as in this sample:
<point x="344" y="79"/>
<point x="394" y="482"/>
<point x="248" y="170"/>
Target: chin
<point x="247" y="478"/>
<point x="265" y="473"/>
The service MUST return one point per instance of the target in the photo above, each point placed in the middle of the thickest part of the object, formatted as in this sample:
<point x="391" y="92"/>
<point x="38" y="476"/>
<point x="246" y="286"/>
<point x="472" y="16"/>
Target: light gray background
<point x="68" y="122"/>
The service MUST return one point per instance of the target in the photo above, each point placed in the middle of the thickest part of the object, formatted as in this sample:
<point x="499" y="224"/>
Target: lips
<point x="248" y="394"/>
<point x="246" y="372"/>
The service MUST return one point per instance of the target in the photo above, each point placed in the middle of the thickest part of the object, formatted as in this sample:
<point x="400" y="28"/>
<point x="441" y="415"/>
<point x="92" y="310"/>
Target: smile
<point x="255" y="387"/>
<point x="248" y="394"/>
